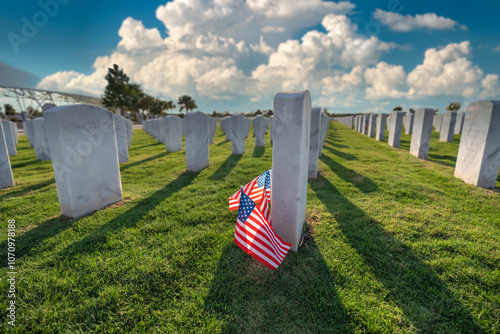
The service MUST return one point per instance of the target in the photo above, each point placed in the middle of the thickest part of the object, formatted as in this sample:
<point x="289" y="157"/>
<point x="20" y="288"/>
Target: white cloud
<point x="497" y="49"/>
<point x="446" y="71"/>
<point x="489" y="87"/>
<point x="385" y="80"/>
<point x="399" y="22"/>
<point x="135" y="36"/>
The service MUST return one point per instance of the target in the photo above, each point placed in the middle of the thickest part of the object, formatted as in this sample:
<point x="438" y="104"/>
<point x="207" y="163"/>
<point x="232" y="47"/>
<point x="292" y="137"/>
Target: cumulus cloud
<point x="398" y="22"/>
<point x="446" y="71"/>
<point x="385" y="81"/>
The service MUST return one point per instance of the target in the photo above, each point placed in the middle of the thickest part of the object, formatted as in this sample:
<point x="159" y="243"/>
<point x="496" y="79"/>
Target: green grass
<point x="392" y="244"/>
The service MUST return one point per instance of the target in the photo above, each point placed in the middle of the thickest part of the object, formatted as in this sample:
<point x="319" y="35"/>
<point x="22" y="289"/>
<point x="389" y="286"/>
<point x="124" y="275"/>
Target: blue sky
<point x="235" y="55"/>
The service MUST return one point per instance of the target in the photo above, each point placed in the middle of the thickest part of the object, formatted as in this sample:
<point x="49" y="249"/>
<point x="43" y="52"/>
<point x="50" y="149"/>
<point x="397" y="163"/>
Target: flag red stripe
<point x="261" y="230"/>
<point x="254" y="245"/>
<point x="253" y="249"/>
<point x="272" y="232"/>
<point x="249" y="228"/>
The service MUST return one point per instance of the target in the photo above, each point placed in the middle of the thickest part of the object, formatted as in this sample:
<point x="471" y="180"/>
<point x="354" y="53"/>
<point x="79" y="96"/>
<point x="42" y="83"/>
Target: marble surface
<point x="314" y="142"/>
<point x="422" y="129"/>
<point x="381" y="126"/>
<point x="395" y="128"/>
<point x="292" y="124"/>
<point x="121" y="138"/>
<point x="196" y="135"/>
<point x="6" y="177"/>
<point x="40" y="141"/>
<point x="238" y="130"/>
<point x="84" y="157"/>
<point x="9" y="137"/>
<point x="448" y="126"/>
<point x="478" y="157"/>
<point x="173" y="133"/>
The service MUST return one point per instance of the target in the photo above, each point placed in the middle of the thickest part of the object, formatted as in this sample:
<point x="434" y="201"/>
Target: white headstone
<point x="314" y="143"/>
<point x="422" y="129"/>
<point x="9" y="138"/>
<point x="28" y="132"/>
<point x="260" y="124"/>
<point x="459" y="123"/>
<point x="271" y="128"/>
<point x="381" y="125"/>
<point x="238" y="130"/>
<point x="371" y="125"/>
<point x="409" y="124"/>
<point x="196" y="139"/>
<point x="292" y="125"/>
<point x="6" y="178"/>
<point x="447" y="127"/>
<point x="173" y="135"/>
<point x="130" y="131"/>
<point x="395" y="128"/>
<point x="84" y="157"/>
<point x="121" y="138"/>
<point x="478" y="157"/>
<point x="40" y="141"/>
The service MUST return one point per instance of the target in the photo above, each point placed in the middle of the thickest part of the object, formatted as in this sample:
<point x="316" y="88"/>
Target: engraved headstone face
<point x="40" y="141"/>
<point x="291" y="134"/>
<point x="371" y="125"/>
<point x="478" y="157"/>
<point x="381" y="125"/>
<point x="6" y="178"/>
<point x="447" y="126"/>
<point x="84" y="156"/>
<point x="9" y="138"/>
<point x="195" y="126"/>
<point x="314" y="142"/>
<point x="395" y="128"/>
<point x="239" y="132"/>
<point x="260" y="124"/>
<point x="422" y="128"/>
<point x="121" y="138"/>
<point x="173" y="135"/>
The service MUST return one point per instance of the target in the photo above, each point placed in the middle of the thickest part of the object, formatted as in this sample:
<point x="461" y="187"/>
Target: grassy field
<point x="392" y="244"/>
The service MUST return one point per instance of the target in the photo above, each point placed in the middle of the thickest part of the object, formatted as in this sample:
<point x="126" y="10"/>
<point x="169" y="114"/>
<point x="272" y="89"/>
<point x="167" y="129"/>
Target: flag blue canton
<point x="265" y="180"/>
<point x="246" y="207"/>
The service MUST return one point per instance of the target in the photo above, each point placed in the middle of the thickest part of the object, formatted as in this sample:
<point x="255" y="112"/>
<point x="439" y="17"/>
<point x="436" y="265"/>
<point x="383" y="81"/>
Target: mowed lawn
<point x="392" y="244"/>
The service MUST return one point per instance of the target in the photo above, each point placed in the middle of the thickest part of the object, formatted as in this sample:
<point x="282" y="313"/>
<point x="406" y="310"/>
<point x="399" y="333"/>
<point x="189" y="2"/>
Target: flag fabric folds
<point x="254" y="234"/>
<point x="254" y="189"/>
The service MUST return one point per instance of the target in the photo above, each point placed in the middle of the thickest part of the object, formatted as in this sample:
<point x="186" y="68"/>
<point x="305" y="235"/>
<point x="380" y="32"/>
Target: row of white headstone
<point x="478" y="159"/>
<point x="85" y="143"/>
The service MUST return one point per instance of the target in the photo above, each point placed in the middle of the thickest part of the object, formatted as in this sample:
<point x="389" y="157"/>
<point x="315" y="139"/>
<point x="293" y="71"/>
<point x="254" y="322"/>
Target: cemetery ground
<point x="392" y="244"/>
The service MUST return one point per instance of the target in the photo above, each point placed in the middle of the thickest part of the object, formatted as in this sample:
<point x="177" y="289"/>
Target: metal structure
<point x="42" y="97"/>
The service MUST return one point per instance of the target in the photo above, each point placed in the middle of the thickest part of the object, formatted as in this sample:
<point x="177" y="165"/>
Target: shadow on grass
<point x="23" y="164"/>
<point x="223" y="142"/>
<point x="144" y="146"/>
<point x="258" y="151"/>
<point x="132" y="164"/>
<point x="365" y="184"/>
<point x="340" y="154"/>
<point x="226" y="167"/>
<point x="32" y="238"/>
<point x="23" y="191"/>
<point x="442" y="159"/>
<point x="298" y="297"/>
<point x="130" y="217"/>
<point x="411" y="283"/>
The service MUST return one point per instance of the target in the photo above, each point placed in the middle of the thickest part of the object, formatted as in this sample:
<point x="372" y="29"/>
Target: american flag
<point x="254" y="189"/>
<point x="255" y="236"/>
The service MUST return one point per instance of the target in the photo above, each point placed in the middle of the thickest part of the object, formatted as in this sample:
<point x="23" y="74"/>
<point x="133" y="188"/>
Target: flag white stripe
<point x="261" y="235"/>
<point x="250" y="248"/>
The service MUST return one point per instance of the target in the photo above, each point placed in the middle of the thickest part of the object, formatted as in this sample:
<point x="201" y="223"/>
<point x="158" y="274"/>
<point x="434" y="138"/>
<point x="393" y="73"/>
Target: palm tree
<point x="186" y="102"/>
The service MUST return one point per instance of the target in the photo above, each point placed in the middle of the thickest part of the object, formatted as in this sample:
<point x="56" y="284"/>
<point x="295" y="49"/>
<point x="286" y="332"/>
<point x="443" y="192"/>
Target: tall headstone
<point x="409" y="124"/>
<point x="40" y="141"/>
<point x="355" y="123"/>
<point x="196" y="139"/>
<point x="121" y="138"/>
<point x="15" y="131"/>
<point x="314" y="143"/>
<point x="260" y="124"/>
<point x="422" y="129"/>
<point x="395" y="128"/>
<point x="141" y="118"/>
<point x="6" y="178"/>
<point x="173" y="135"/>
<point x="447" y="127"/>
<point x="24" y="116"/>
<point x="238" y="130"/>
<point x="9" y="138"/>
<point x="28" y="132"/>
<point x="84" y="157"/>
<point x="438" y="120"/>
<point x="371" y="125"/>
<point x="292" y="125"/>
<point x="478" y="157"/>
<point x="381" y="124"/>
<point x="459" y="123"/>
<point x="130" y="131"/>
<point x="212" y="126"/>
<point x="271" y="120"/>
